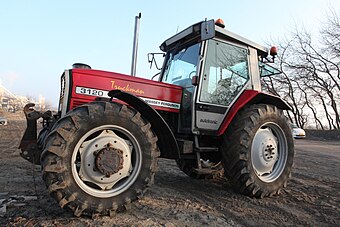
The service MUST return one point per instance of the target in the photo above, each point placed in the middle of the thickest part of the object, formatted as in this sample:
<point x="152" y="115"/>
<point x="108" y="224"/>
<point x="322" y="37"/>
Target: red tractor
<point x="99" y="153"/>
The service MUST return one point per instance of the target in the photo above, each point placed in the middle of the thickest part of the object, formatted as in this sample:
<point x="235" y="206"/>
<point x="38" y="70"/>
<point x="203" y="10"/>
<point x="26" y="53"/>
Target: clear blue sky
<point x="39" y="39"/>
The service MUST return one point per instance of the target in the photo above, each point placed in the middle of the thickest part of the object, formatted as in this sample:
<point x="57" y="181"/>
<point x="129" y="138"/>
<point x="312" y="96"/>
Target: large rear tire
<point x="258" y="151"/>
<point x="99" y="158"/>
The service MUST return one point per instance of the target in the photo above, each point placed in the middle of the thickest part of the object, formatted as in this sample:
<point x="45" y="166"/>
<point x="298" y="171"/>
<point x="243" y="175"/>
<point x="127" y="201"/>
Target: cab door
<point x="180" y="67"/>
<point x="224" y="76"/>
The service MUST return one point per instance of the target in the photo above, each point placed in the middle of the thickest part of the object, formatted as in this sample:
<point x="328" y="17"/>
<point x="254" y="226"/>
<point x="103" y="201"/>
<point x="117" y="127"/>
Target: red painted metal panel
<point x="102" y="82"/>
<point x="245" y="97"/>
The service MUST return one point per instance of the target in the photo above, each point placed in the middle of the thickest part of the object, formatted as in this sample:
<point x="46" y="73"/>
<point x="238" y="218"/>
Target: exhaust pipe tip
<point x="80" y="66"/>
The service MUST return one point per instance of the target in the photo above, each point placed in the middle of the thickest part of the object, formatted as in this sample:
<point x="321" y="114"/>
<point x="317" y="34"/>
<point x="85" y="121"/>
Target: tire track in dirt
<point x="311" y="198"/>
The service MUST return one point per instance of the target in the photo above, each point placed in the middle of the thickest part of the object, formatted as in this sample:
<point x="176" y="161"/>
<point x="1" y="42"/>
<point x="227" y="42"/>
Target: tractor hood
<point x="86" y="85"/>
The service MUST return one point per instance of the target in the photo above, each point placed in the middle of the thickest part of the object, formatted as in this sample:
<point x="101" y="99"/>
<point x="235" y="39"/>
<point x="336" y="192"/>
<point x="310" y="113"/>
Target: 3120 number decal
<point x="91" y="92"/>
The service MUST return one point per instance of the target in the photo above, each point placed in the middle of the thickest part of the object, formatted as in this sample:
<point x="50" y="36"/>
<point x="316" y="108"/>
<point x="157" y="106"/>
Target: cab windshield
<point x="181" y="66"/>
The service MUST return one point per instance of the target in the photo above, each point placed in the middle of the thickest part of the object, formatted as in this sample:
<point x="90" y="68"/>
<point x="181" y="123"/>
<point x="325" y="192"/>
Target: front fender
<point x="166" y="140"/>
<point x="249" y="97"/>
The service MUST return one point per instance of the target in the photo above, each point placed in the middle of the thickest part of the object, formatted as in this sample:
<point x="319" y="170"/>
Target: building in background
<point x="11" y="103"/>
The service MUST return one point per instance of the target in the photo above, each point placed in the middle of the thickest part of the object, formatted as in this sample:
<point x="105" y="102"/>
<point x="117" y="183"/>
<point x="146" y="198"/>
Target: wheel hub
<point x="109" y="160"/>
<point x="105" y="160"/>
<point x="269" y="152"/>
<point x="264" y="152"/>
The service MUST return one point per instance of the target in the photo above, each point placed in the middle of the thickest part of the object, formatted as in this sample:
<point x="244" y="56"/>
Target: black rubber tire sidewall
<point x="236" y="150"/>
<point x="81" y="120"/>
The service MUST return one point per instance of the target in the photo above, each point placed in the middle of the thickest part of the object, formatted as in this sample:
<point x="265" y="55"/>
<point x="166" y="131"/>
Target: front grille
<point x="62" y="91"/>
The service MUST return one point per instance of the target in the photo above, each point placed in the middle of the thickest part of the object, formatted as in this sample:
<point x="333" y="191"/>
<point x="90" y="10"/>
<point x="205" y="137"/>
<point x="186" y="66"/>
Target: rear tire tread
<point x="236" y="157"/>
<point x="55" y="169"/>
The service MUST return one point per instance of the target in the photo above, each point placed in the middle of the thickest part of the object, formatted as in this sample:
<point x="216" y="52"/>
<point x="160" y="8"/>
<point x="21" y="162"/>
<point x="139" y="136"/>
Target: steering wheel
<point x="193" y="73"/>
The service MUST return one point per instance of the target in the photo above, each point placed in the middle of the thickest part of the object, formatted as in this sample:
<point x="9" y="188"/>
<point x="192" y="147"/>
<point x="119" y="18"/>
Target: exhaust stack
<point x="135" y="45"/>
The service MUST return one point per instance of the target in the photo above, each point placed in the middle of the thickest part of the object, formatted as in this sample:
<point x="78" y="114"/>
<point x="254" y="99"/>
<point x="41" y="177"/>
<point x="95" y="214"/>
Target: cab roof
<point x="205" y="30"/>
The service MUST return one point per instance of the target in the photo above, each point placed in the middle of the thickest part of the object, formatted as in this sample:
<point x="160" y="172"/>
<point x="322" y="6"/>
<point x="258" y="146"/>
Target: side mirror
<point x="194" y="80"/>
<point x="152" y="59"/>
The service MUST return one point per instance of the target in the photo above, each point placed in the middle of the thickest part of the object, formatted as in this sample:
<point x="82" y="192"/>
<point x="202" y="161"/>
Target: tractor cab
<point x="215" y="67"/>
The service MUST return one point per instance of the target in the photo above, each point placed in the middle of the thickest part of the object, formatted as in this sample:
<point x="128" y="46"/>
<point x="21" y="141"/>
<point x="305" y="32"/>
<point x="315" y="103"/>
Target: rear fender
<point x="249" y="97"/>
<point x="166" y="140"/>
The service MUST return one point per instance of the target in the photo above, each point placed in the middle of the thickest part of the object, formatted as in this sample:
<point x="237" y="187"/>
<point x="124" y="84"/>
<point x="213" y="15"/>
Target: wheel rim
<point x="106" y="161"/>
<point x="269" y="152"/>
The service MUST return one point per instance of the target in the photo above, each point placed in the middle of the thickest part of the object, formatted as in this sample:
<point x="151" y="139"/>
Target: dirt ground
<point x="311" y="198"/>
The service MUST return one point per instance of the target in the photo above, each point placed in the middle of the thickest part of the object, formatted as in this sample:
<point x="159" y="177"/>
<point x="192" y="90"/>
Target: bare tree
<point x="283" y="85"/>
<point x="310" y="78"/>
<point x="317" y="70"/>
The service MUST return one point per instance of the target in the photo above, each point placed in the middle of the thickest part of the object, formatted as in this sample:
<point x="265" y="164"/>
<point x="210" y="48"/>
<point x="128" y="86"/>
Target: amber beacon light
<point x="273" y="51"/>
<point x="219" y="22"/>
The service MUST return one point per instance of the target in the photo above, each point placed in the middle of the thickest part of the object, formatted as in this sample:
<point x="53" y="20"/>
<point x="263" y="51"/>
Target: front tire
<point x="258" y="151"/>
<point x="99" y="158"/>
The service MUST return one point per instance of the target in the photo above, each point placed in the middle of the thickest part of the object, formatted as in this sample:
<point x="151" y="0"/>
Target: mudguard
<point x="249" y="97"/>
<point x="270" y="99"/>
<point x="166" y="140"/>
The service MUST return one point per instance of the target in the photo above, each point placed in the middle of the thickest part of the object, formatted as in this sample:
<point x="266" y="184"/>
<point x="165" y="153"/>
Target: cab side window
<point x="225" y="73"/>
